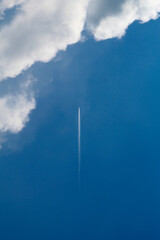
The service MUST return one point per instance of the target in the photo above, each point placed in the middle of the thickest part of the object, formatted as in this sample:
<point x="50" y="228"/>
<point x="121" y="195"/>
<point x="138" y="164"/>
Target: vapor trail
<point x="79" y="141"/>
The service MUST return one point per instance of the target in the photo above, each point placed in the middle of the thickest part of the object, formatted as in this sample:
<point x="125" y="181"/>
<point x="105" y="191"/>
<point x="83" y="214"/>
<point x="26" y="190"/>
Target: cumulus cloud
<point x="15" y="111"/>
<point x="38" y="32"/>
<point x="110" y="18"/>
<point x="15" y="108"/>
<point x="39" y="29"/>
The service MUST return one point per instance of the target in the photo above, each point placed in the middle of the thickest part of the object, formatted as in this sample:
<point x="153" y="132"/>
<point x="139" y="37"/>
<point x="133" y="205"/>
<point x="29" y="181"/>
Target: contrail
<point x="79" y="142"/>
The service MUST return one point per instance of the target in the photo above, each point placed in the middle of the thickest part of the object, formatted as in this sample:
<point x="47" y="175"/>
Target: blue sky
<point x="116" y="84"/>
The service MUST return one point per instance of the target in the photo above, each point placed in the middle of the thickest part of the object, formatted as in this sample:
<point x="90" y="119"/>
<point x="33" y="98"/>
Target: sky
<point x="104" y="58"/>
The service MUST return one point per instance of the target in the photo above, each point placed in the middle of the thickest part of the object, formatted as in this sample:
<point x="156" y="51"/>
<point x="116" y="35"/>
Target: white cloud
<point x="110" y="18"/>
<point x="17" y="100"/>
<point x="38" y="32"/>
<point x="15" y="110"/>
<point x="40" y="29"/>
